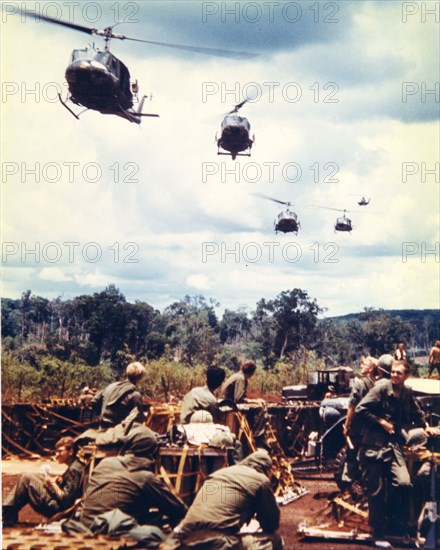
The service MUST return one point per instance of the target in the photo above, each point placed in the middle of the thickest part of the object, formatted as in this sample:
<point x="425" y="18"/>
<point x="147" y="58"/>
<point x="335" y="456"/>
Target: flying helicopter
<point x="342" y="223"/>
<point x="287" y="220"/>
<point x="235" y="138"/>
<point x="99" y="81"/>
<point x="364" y="201"/>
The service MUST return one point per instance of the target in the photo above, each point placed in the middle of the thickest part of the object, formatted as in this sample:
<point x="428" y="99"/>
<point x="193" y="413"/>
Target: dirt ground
<point x="292" y="514"/>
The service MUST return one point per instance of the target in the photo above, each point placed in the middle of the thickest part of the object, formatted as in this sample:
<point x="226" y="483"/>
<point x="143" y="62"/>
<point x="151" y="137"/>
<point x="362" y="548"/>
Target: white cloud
<point x="54" y="274"/>
<point x="199" y="281"/>
<point x="153" y="208"/>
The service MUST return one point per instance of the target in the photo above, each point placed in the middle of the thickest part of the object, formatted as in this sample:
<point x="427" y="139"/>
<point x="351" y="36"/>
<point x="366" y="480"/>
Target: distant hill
<point x="404" y="314"/>
<point x="425" y="324"/>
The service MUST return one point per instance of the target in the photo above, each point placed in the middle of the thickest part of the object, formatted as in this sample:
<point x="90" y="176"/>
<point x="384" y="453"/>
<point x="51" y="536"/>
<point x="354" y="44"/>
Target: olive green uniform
<point x="31" y="489"/>
<point x="228" y="499"/>
<point x="361" y="387"/>
<point x="235" y="389"/>
<point x="127" y="482"/>
<point x="198" y="399"/>
<point x="381" y="455"/>
<point x="116" y="401"/>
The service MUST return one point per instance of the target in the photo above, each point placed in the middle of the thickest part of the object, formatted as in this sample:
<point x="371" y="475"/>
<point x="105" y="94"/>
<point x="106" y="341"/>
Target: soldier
<point x="203" y="398"/>
<point x="46" y="495"/>
<point x="128" y="483"/>
<point x="372" y="370"/>
<point x="118" y="399"/>
<point x="353" y="425"/>
<point x="86" y="397"/>
<point x="331" y="408"/>
<point x="390" y="410"/>
<point x="434" y="359"/>
<point x="400" y="353"/>
<point x="228" y="499"/>
<point x="235" y="389"/>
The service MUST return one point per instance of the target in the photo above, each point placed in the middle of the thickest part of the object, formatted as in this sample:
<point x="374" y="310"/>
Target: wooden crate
<point x="185" y="468"/>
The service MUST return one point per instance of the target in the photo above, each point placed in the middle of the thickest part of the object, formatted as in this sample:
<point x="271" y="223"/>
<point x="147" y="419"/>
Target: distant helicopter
<point x="286" y="221"/>
<point x="342" y="223"/>
<point x="235" y="138"/>
<point x="99" y="81"/>
<point x="364" y="201"/>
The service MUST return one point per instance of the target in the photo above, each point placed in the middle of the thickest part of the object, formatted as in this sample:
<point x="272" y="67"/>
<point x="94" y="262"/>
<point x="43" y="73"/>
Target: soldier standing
<point x="390" y="410"/>
<point x="353" y="425"/>
<point x="434" y="359"/>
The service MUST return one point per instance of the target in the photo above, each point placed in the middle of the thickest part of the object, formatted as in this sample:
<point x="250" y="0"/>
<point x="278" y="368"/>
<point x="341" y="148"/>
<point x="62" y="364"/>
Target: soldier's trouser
<point x="351" y="471"/>
<point x="379" y="467"/>
<point x="432" y="368"/>
<point x="31" y="490"/>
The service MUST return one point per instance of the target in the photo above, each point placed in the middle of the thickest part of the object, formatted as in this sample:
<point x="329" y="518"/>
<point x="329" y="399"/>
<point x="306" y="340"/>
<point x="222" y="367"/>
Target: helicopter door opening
<point x="124" y="77"/>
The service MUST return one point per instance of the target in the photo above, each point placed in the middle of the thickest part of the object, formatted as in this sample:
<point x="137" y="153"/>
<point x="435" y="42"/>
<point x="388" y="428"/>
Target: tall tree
<point x="234" y="326"/>
<point x="381" y="331"/>
<point x="294" y="317"/>
<point x="193" y="330"/>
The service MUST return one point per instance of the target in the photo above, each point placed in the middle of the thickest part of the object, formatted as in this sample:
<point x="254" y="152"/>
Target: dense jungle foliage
<point x="55" y="347"/>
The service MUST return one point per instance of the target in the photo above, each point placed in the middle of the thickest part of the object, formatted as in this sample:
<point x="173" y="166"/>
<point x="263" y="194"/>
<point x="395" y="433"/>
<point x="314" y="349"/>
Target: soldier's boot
<point x="9" y="516"/>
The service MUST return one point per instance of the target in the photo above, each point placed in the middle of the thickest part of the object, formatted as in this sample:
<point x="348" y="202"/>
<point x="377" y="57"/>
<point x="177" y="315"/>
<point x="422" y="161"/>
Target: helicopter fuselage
<point x="343" y="224"/>
<point x="235" y="135"/>
<point x="98" y="80"/>
<point x="287" y="222"/>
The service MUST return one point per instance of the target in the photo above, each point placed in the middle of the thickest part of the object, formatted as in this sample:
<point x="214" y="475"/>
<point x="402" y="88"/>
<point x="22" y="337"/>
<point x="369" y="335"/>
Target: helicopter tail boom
<point x="139" y="112"/>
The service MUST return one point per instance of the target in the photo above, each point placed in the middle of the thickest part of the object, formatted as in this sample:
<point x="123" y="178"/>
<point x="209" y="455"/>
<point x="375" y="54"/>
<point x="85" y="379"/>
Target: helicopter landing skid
<point x="235" y="154"/>
<point x="67" y="107"/>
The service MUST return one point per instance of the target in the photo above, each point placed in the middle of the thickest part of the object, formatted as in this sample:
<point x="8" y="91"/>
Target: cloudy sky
<point x="344" y="103"/>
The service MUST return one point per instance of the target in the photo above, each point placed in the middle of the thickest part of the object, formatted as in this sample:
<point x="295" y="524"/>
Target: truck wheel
<point x="339" y="464"/>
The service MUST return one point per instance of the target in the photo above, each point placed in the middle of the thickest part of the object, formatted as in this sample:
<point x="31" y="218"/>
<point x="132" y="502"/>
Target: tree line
<point x="91" y="338"/>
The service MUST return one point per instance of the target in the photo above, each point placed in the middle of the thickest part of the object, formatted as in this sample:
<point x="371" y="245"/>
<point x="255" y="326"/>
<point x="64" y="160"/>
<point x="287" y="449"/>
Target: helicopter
<point x="287" y="220"/>
<point x="342" y="223"/>
<point x="99" y="81"/>
<point x="235" y="138"/>
<point x="364" y="201"/>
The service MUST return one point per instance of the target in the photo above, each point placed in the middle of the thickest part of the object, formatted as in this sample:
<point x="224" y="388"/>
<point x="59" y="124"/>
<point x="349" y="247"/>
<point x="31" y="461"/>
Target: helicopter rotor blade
<point x="107" y="33"/>
<point x="238" y="106"/>
<point x="74" y="26"/>
<point x="335" y="209"/>
<point x="325" y="207"/>
<point x="197" y="49"/>
<point x="262" y="196"/>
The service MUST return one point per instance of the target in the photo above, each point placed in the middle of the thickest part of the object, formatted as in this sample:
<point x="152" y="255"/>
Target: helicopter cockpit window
<point x="245" y="122"/>
<point x="105" y="58"/>
<point x="78" y="54"/>
<point x="235" y="120"/>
